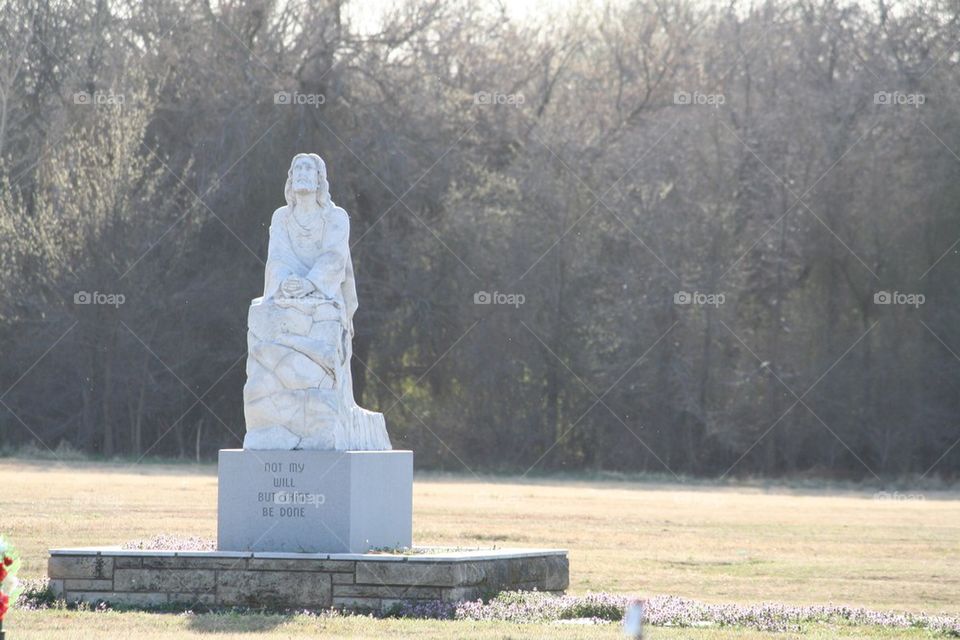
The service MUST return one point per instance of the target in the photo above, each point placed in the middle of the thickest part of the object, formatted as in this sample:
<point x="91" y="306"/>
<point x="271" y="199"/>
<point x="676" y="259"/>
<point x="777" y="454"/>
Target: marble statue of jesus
<point x="299" y="393"/>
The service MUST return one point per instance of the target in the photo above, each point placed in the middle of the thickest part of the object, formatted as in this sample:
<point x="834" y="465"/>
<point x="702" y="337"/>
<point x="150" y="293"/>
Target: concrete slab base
<point x="369" y="581"/>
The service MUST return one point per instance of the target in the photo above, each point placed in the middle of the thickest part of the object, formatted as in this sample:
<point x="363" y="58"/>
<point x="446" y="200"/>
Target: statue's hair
<point x="323" y="187"/>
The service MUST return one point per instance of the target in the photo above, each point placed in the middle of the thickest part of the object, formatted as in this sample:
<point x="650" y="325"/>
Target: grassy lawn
<point x="732" y="544"/>
<point x="74" y="625"/>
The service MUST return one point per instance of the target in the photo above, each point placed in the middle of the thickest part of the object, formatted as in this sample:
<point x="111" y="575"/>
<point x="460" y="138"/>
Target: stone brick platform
<point x="368" y="581"/>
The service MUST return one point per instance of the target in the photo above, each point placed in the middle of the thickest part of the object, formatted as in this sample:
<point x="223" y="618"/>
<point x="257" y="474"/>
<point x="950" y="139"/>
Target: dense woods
<point x="673" y="237"/>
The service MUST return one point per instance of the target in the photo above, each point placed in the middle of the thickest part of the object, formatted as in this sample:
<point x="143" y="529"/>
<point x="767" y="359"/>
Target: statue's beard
<point x="310" y="197"/>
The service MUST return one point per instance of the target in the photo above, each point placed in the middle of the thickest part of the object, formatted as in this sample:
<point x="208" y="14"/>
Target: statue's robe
<point x="299" y="391"/>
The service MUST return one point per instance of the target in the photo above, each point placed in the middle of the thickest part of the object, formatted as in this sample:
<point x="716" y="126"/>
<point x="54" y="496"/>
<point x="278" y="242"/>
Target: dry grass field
<point x="146" y="626"/>
<point x="730" y="544"/>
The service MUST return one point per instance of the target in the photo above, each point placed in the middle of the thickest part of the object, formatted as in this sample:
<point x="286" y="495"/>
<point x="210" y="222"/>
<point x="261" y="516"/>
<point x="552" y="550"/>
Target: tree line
<point x="677" y="238"/>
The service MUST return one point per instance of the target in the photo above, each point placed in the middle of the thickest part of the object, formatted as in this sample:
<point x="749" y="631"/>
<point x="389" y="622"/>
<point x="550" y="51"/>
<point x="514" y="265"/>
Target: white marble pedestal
<point x="314" y="501"/>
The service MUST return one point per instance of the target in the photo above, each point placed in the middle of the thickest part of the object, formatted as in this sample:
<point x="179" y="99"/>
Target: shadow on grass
<point x="235" y="622"/>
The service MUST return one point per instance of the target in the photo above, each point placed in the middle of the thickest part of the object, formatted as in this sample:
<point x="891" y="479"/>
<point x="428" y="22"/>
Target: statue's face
<point x="304" y="176"/>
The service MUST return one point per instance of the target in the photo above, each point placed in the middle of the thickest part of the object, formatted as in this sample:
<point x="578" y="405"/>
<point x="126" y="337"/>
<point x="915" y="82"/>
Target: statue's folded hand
<point x="296" y="287"/>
